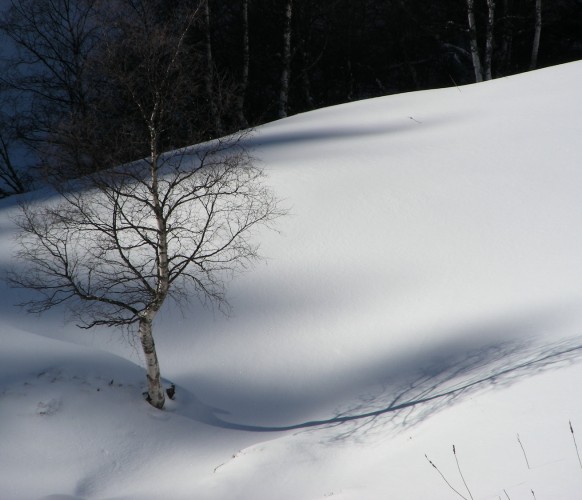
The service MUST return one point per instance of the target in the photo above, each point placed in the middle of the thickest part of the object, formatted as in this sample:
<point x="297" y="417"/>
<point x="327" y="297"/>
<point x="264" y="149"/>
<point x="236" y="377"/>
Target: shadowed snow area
<point x="423" y="291"/>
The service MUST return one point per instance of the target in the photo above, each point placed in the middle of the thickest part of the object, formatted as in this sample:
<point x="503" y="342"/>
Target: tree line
<point x="65" y="101"/>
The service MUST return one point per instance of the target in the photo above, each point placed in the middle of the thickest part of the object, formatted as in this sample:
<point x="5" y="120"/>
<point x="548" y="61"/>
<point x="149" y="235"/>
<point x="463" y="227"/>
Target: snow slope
<point x="423" y="292"/>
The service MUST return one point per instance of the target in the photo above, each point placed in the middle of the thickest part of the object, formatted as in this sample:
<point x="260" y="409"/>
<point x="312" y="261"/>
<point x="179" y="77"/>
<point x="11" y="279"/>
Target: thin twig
<point x="534" y="495"/>
<point x="454" y="83"/>
<point x="523" y="449"/>
<point x="444" y="478"/>
<point x="575" y="444"/>
<point x="460" y="473"/>
<point x="506" y="495"/>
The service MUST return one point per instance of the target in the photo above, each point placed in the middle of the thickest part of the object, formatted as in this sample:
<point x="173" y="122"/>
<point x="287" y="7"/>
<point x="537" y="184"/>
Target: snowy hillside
<point x="423" y="292"/>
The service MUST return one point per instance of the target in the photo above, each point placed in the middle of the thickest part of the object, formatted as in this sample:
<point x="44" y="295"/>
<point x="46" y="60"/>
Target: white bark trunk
<point x="489" y="40"/>
<point x="286" y="62"/>
<point x="538" y="33"/>
<point x="163" y="271"/>
<point x="156" y="395"/>
<point x="473" y="42"/>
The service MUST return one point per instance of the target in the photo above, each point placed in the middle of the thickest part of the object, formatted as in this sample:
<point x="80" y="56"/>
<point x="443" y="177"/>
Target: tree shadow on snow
<point x="417" y="386"/>
<point x="441" y="385"/>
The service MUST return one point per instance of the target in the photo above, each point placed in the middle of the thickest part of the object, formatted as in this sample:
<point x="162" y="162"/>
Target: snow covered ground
<point x="423" y="292"/>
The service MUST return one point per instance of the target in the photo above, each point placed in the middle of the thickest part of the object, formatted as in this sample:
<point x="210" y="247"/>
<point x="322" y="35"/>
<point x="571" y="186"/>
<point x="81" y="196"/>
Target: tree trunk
<point x="155" y="390"/>
<point x="306" y="88"/>
<point x="286" y="62"/>
<point x="473" y="41"/>
<point x="8" y="173"/>
<point x="538" y="32"/>
<point x="209" y="73"/>
<point x="504" y="59"/>
<point x="489" y="39"/>
<point x="244" y="83"/>
<point x="163" y="271"/>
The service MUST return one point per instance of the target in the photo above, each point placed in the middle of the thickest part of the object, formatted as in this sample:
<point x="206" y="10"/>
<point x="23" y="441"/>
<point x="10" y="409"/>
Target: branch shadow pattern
<point x="441" y="386"/>
<point x="441" y="383"/>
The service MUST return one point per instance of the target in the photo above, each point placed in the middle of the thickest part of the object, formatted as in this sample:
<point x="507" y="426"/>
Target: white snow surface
<point x="424" y="291"/>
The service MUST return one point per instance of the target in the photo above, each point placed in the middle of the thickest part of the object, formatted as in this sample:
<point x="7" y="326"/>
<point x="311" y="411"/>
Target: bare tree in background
<point x="12" y="179"/>
<point x="124" y="240"/>
<point x="473" y="41"/>
<point x="209" y="73"/>
<point x="246" y="58"/>
<point x="487" y="71"/>
<point x="537" y="36"/>
<point x="283" y="101"/>
<point x="483" y="71"/>
<point x="53" y="42"/>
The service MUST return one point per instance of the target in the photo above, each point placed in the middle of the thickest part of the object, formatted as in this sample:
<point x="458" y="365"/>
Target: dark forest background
<point x="345" y="50"/>
<point x="66" y="66"/>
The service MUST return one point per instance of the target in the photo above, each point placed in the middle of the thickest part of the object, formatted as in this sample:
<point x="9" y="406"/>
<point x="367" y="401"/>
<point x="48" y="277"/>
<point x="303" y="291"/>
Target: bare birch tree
<point x="507" y="34"/>
<point x="285" y="61"/>
<point x="246" y="59"/>
<point x="123" y="241"/>
<point x="483" y="70"/>
<point x="12" y="179"/>
<point x="489" y="40"/>
<point x="473" y="41"/>
<point x="537" y="36"/>
<point x="53" y="41"/>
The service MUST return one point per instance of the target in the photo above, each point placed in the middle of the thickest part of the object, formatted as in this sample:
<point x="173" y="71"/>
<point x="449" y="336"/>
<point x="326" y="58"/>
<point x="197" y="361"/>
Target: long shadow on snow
<point x="417" y="386"/>
<point x="436" y="388"/>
